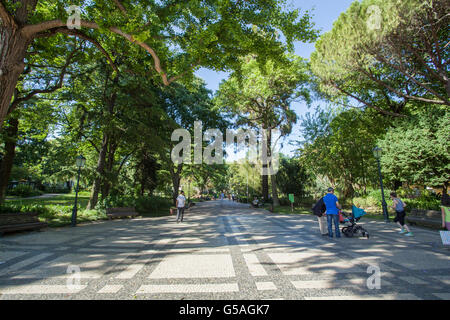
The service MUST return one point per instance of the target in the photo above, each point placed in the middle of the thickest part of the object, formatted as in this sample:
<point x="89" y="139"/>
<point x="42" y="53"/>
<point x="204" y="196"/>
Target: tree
<point x="384" y="54"/>
<point x="262" y="96"/>
<point x="184" y="106"/>
<point x="339" y="146"/>
<point x="178" y="36"/>
<point x="48" y="71"/>
<point x="292" y="177"/>
<point x="417" y="150"/>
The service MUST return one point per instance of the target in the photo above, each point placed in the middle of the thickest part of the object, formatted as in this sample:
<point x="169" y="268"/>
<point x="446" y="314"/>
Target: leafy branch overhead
<point x="178" y="36"/>
<point x="385" y="54"/>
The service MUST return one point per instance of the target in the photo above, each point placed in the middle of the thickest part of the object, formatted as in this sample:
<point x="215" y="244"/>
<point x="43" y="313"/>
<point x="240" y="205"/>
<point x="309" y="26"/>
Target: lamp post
<point x="377" y="154"/>
<point x="80" y="162"/>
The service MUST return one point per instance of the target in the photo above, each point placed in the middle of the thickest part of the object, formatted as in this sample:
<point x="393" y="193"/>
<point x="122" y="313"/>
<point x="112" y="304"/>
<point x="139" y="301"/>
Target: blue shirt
<point x="330" y="202"/>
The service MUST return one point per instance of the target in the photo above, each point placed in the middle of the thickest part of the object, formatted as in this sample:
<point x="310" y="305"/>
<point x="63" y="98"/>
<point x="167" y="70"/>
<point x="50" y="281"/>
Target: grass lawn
<point x="57" y="210"/>
<point x="65" y="199"/>
<point x="288" y="210"/>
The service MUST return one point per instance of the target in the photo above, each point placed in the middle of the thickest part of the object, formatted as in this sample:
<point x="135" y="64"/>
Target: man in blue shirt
<point x="333" y="206"/>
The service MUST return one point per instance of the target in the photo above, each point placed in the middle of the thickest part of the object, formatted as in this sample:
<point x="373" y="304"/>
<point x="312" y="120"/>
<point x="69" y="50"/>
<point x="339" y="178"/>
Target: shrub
<point x="55" y="189"/>
<point x="23" y="190"/>
<point x="23" y="208"/>
<point x="426" y="201"/>
<point x="141" y="204"/>
<point x="151" y="204"/>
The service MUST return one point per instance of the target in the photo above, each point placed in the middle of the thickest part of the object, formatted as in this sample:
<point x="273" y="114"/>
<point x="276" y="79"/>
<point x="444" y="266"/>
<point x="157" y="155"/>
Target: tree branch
<point x="79" y="34"/>
<point x="382" y="83"/>
<point x="31" y="31"/>
<point x="394" y="114"/>
<point x="57" y="86"/>
<point x="120" y="6"/>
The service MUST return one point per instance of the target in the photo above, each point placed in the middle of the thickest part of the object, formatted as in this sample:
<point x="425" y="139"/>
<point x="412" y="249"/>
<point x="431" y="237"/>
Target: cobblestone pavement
<point x="222" y="250"/>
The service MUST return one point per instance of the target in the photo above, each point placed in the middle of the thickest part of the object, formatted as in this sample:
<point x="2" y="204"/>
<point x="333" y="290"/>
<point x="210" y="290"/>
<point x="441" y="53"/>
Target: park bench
<point x="427" y="218"/>
<point x="11" y="222"/>
<point x="121" y="212"/>
<point x="174" y="210"/>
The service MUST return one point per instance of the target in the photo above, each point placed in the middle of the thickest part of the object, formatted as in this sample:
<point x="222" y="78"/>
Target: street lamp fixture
<point x="80" y="162"/>
<point x="377" y="152"/>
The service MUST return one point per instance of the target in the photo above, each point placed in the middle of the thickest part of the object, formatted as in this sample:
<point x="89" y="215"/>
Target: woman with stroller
<point x="399" y="207"/>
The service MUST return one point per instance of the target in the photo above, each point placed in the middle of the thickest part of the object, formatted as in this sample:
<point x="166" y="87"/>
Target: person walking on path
<point x="445" y="209"/>
<point x="332" y="211"/>
<point x="399" y="207"/>
<point x="319" y="210"/>
<point x="181" y="202"/>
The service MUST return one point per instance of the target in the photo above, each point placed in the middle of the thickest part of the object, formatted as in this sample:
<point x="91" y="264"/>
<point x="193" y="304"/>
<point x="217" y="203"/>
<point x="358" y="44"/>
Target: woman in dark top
<point x="399" y="207"/>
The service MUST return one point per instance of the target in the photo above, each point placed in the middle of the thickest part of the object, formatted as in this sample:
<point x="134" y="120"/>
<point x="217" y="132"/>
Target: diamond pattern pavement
<point x="222" y="250"/>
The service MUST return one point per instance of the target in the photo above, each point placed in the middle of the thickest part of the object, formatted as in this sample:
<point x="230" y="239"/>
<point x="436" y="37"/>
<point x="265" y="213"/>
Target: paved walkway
<point x="223" y="250"/>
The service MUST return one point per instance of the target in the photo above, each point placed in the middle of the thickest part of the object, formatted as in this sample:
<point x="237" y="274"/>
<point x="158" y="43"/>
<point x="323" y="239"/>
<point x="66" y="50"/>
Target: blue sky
<point x="324" y="12"/>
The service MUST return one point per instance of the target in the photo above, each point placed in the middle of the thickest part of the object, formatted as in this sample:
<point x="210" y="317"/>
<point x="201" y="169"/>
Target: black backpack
<point x="319" y="208"/>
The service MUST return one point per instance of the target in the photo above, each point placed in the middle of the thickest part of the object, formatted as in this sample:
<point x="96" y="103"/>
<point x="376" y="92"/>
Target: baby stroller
<point x="353" y="229"/>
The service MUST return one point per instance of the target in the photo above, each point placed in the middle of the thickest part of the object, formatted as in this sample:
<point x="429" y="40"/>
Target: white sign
<point x="445" y="236"/>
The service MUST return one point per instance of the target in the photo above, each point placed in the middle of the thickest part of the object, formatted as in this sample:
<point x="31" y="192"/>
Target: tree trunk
<point x="176" y="185"/>
<point x="265" y="187"/>
<point x="8" y="159"/>
<point x="13" y="48"/>
<point x="276" y="201"/>
<point x="106" y="183"/>
<point x="176" y="178"/>
<point x="273" y="177"/>
<point x="99" y="174"/>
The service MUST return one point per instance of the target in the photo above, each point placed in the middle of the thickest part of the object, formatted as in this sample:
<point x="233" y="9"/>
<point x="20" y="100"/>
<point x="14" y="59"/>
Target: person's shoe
<point x="409" y="234"/>
<point x="403" y="231"/>
<point x="325" y="234"/>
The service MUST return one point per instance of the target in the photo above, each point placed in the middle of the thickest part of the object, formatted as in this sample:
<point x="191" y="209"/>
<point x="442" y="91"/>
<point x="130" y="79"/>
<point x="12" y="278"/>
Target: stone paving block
<point x="110" y="289"/>
<point x="194" y="266"/>
<point x="8" y="255"/>
<point x="19" y="265"/>
<point x="189" y="288"/>
<point x="420" y="260"/>
<point x="413" y="280"/>
<point x="400" y="296"/>
<point x="41" y="289"/>
<point x="268" y="285"/>
<point x="443" y="296"/>
<point x="336" y="284"/>
<point x="254" y="266"/>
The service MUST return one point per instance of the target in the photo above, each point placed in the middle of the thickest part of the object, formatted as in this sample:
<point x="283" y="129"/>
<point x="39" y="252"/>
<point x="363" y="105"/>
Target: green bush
<point x="54" y="189"/>
<point x="284" y="201"/>
<point x="152" y="204"/>
<point x="23" y="208"/>
<point x="141" y="204"/>
<point x="23" y="190"/>
<point x="426" y="201"/>
<point x="243" y="199"/>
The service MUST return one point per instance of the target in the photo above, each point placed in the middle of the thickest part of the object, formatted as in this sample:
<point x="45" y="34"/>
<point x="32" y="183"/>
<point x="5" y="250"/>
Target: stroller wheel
<point x="348" y="232"/>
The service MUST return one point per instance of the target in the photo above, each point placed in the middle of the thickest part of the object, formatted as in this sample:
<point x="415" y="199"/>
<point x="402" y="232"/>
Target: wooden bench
<point x="121" y="212"/>
<point x="11" y="222"/>
<point x="427" y="218"/>
<point x="174" y="210"/>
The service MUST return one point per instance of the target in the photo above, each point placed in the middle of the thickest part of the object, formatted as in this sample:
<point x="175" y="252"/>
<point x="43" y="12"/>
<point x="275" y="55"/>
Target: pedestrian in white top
<point x="181" y="201"/>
